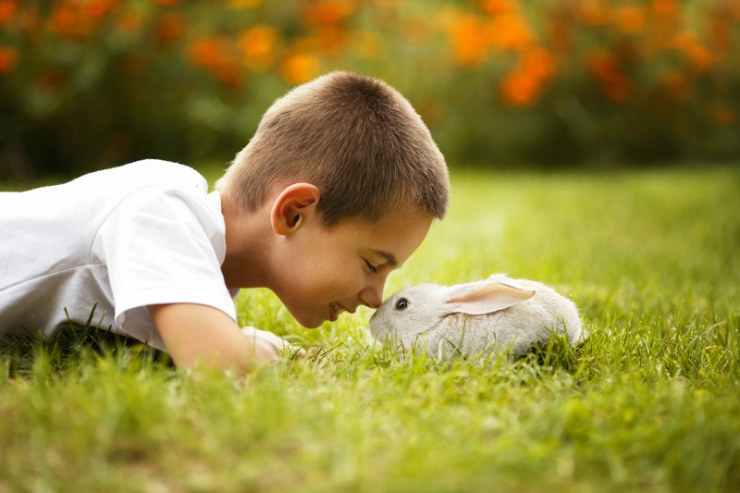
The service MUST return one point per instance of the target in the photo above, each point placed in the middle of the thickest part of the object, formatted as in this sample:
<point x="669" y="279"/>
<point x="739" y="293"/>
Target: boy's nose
<point x="372" y="296"/>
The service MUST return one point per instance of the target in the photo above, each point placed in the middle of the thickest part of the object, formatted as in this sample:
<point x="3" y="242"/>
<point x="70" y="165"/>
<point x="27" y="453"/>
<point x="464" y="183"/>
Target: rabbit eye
<point x="402" y="304"/>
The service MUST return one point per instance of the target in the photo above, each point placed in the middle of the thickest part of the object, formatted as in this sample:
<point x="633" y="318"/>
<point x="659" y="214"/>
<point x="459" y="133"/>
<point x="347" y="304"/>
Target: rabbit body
<point x="499" y="314"/>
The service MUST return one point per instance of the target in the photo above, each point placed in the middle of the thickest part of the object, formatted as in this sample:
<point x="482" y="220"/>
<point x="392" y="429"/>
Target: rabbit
<point x="499" y="314"/>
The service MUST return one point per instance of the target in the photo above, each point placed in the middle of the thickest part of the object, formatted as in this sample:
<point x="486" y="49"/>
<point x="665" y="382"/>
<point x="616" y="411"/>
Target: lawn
<point x="649" y="403"/>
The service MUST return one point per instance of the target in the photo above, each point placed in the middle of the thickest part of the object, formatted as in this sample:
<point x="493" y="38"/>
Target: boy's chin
<point x="309" y="320"/>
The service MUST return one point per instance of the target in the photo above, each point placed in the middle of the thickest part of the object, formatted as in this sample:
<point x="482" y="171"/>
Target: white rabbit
<point x="497" y="314"/>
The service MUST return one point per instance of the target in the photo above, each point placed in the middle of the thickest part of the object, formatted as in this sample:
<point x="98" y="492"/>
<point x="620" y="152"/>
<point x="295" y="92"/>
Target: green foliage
<point x="86" y="84"/>
<point x="648" y="403"/>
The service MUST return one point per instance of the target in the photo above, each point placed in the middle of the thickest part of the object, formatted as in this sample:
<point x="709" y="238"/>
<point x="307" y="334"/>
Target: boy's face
<point x="326" y="271"/>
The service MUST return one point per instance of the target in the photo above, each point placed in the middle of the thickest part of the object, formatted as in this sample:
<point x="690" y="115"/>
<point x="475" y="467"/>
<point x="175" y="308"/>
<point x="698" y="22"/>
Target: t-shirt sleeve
<point x="160" y="246"/>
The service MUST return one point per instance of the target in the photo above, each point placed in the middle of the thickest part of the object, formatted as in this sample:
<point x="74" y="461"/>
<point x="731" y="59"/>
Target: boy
<point x="337" y="187"/>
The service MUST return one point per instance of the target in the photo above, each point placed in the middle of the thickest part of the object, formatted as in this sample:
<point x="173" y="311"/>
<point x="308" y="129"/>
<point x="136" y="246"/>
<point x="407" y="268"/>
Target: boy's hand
<point x="274" y="340"/>
<point x="199" y="335"/>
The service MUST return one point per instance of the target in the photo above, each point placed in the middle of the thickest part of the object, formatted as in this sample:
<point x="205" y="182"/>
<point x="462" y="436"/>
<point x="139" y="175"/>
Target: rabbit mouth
<point x="418" y="334"/>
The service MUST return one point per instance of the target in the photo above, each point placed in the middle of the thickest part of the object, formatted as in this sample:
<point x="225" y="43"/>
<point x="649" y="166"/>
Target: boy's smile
<point x="318" y="272"/>
<point x="327" y="271"/>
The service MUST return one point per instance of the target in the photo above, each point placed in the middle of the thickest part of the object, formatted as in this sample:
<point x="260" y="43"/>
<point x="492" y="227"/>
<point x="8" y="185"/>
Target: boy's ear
<point x="292" y="205"/>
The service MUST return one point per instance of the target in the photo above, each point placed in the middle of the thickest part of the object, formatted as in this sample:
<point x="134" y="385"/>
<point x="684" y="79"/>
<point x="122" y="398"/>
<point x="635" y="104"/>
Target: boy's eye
<point x="372" y="268"/>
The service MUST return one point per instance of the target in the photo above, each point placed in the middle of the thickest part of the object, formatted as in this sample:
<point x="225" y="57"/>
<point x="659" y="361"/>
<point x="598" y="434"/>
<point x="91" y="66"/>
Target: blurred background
<point x="86" y="84"/>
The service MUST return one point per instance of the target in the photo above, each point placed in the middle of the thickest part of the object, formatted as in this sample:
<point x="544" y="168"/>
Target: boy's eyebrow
<point x="389" y="257"/>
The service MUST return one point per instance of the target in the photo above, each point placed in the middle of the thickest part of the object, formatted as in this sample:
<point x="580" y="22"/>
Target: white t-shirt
<point x="104" y="246"/>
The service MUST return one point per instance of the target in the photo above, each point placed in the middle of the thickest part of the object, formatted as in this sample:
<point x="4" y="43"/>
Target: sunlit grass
<point x="650" y="402"/>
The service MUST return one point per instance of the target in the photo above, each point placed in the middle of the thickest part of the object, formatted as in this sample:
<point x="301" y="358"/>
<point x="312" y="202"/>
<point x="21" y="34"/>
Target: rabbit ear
<point x="486" y="298"/>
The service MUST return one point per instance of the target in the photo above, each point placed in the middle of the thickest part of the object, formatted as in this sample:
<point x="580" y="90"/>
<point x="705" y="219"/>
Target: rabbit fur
<point x="499" y="314"/>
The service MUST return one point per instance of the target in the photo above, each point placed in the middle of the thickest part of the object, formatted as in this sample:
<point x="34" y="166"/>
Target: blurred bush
<point x="91" y="83"/>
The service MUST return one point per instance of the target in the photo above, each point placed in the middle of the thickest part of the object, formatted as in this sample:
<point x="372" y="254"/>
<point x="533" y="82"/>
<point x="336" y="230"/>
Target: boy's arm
<point x="205" y="336"/>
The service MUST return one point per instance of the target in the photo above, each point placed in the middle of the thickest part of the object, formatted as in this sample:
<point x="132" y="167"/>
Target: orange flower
<point x="720" y="33"/>
<point x="206" y="52"/>
<point x="416" y="30"/>
<point x="665" y="8"/>
<point x="96" y="9"/>
<point x="520" y="88"/>
<point x="245" y="4"/>
<point x="723" y="115"/>
<point x="675" y="86"/>
<point x="8" y="58"/>
<point x="665" y="15"/>
<point x="129" y="21"/>
<point x="8" y="9"/>
<point x="497" y="7"/>
<point x="29" y="20"/>
<point x="469" y="38"/>
<point x="605" y="67"/>
<point x="325" y="12"/>
<point x="228" y="72"/>
<point x="510" y="32"/>
<point x="538" y="63"/>
<point x="331" y="39"/>
<point x="170" y="27"/>
<point x="66" y="22"/>
<point x="560" y="35"/>
<point x="216" y="56"/>
<point x="258" y="44"/>
<point x="629" y="19"/>
<point x="524" y="85"/>
<point x="593" y="12"/>
<point x="700" y="57"/>
<point x="300" y="67"/>
<point x="74" y="19"/>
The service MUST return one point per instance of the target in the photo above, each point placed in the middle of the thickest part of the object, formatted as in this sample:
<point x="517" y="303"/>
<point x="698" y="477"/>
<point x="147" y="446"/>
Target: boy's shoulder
<point x="151" y="186"/>
<point x="145" y="173"/>
<point x="88" y="201"/>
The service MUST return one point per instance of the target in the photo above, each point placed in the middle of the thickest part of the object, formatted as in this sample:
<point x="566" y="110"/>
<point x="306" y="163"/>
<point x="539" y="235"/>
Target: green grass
<point x="650" y="402"/>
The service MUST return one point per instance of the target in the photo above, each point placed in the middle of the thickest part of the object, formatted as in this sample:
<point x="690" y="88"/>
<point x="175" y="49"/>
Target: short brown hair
<point x="355" y="138"/>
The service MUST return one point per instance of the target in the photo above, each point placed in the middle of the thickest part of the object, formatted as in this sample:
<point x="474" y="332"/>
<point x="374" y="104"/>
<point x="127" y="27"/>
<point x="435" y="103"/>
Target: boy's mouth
<point x="335" y="309"/>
